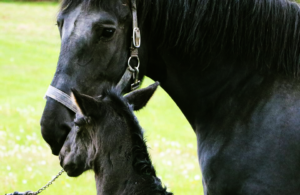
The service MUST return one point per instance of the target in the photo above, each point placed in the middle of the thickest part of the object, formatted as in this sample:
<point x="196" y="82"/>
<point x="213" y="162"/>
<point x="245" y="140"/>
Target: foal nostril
<point x="61" y="160"/>
<point x="71" y="166"/>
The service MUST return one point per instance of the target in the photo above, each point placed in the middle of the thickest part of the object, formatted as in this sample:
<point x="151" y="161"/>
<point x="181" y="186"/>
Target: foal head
<point x="104" y="133"/>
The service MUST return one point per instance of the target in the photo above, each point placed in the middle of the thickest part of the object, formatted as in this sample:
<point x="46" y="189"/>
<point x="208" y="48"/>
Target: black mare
<point x="232" y="67"/>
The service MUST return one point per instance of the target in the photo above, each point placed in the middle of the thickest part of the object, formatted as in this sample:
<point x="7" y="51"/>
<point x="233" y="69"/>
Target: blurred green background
<point x="29" y="49"/>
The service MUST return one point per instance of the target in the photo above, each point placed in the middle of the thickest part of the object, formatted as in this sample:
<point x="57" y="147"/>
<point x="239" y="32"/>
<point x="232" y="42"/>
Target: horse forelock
<point x="107" y="5"/>
<point x="264" y="33"/>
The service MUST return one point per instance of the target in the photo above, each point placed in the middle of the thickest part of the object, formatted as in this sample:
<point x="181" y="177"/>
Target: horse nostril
<point x="61" y="160"/>
<point x="71" y="166"/>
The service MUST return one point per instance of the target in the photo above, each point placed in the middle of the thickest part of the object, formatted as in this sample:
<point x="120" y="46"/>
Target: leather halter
<point x="131" y="72"/>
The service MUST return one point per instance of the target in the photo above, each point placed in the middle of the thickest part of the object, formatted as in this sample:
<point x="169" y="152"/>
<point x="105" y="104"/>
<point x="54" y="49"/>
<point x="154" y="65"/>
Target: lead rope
<point x="41" y="189"/>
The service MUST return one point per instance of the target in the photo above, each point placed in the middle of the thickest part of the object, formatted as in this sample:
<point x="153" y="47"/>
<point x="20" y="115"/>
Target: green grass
<point x="29" y="48"/>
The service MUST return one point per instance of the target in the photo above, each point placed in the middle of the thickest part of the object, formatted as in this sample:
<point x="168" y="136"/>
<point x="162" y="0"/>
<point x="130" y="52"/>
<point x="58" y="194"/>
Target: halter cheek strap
<point x="130" y="72"/>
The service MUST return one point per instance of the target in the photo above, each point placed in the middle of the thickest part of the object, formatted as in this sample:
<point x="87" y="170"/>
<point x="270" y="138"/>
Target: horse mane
<point x="141" y="160"/>
<point x="260" y="32"/>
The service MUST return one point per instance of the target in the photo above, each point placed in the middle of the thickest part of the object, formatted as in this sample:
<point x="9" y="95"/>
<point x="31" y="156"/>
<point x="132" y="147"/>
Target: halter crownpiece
<point x="131" y="72"/>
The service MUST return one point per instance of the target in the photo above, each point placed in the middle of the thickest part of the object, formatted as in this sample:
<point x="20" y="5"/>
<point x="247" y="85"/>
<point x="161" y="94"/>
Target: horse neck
<point x="115" y="173"/>
<point x="205" y="93"/>
<point x="116" y="184"/>
<point x="202" y="85"/>
<point x="116" y="180"/>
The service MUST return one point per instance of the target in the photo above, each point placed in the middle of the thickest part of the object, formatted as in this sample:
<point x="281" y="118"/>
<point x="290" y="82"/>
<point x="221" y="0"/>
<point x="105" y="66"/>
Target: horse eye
<point x="60" y="24"/>
<point x="108" y="32"/>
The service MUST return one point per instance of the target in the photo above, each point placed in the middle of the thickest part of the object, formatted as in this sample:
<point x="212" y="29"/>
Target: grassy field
<point x="29" y="48"/>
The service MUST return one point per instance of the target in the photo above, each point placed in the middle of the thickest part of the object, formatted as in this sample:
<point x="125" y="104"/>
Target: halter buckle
<point x="135" y="85"/>
<point x="135" y="74"/>
<point x="137" y="82"/>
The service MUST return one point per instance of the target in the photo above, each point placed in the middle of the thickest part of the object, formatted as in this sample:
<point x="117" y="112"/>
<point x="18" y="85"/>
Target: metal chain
<point x="47" y="185"/>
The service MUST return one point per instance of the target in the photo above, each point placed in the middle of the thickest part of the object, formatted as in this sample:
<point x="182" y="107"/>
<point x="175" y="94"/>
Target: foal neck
<point x="116" y="180"/>
<point x="125" y="183"/>
<point x="127" y="168"/>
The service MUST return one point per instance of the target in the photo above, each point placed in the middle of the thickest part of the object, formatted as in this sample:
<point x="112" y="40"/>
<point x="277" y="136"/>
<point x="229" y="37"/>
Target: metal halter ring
<point x="136" y="37"/>
<point x="129" y="66"/>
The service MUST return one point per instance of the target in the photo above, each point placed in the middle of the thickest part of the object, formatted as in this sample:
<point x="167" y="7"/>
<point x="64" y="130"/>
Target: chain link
<point x="47" y="185"/>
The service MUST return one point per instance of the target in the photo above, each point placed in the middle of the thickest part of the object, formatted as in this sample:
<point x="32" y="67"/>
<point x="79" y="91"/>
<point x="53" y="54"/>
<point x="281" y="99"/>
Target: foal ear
<point x="84" y="103"/>
<point x="140" y="97"/>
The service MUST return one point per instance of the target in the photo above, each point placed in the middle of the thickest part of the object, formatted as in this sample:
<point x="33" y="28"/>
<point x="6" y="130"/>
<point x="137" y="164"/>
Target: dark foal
<point x="107" y="138"/>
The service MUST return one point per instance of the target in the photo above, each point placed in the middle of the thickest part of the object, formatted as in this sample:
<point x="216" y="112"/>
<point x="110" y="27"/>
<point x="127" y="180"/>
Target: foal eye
<point x="80" y="121"/>
<point x="77" y="129"/>
<point x="108" y="32"/>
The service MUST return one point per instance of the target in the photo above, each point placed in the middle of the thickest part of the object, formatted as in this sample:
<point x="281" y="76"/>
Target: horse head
<point x="95" y="48"/>
<point x="104" y="129"/>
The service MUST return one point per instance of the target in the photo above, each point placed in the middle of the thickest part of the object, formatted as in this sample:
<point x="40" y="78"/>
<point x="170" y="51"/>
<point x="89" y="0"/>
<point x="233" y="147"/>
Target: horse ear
<point x="139" y="98"/>
<point x="85" y="104"/>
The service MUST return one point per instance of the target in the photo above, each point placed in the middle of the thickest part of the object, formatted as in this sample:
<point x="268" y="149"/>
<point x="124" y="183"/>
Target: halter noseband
<point x="130" y="72"/>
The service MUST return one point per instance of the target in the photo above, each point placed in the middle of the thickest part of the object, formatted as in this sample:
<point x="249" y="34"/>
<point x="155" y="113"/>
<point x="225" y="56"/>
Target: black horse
<point x="232" y="67"/>
<point x="108" y="139"/>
